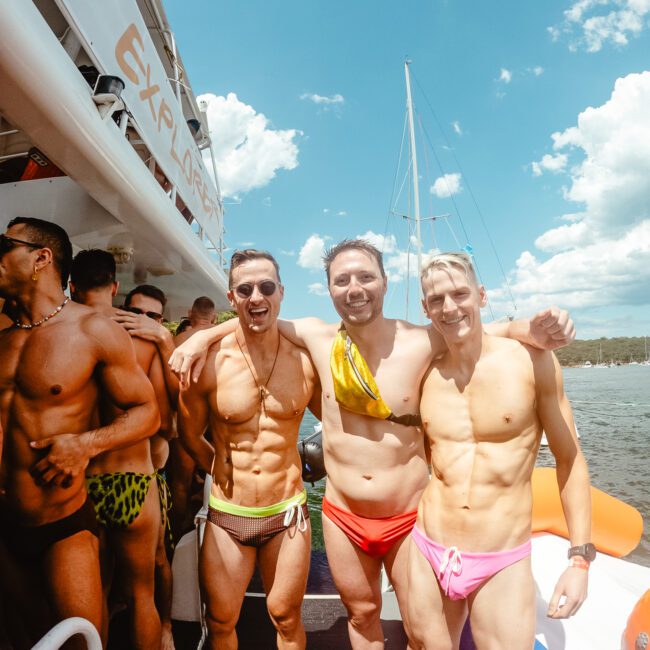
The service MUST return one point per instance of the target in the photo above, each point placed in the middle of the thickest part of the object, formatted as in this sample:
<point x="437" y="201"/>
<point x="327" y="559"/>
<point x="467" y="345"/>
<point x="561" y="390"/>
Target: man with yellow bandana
<point x="371" y="370"/>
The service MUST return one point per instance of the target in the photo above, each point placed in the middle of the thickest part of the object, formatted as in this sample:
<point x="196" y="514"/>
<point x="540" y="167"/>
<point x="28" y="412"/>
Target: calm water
<point x="612" y="413"/>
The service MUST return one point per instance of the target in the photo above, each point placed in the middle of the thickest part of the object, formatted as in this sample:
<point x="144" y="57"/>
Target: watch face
<point x="587" y="551"/>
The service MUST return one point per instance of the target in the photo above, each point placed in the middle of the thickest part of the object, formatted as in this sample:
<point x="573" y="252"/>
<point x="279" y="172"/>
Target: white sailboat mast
<point x="414" y="161"/>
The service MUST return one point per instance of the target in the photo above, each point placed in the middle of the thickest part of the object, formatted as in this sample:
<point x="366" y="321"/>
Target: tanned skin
<point x="484" y="405"/>
<point x="135" y="548"/>
<point x="52" y="378"/>
<point x="181" y="464"/>
<point x="253" y="459"/>
<point x="375" y="468"/>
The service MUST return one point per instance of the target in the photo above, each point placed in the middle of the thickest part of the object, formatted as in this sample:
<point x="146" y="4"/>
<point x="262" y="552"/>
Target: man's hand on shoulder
<point x="188" y="359"/>
<point x="142" y="326"/>
<point x="551" y="329"/>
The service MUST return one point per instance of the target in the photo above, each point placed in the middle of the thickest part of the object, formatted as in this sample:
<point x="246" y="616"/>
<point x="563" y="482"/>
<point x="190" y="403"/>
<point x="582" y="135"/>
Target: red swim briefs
<point x="373" y="536"/>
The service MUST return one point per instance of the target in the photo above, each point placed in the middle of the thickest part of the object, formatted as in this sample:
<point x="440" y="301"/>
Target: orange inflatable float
<point x="616" y="527"/>
<point x="637" y="632"/>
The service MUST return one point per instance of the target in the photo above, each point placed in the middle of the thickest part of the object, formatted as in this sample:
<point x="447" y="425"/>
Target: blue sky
<point x="541" y="110"/>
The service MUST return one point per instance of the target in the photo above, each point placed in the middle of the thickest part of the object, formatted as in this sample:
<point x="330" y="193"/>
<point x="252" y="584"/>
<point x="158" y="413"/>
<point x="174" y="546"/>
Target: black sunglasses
<point x="7" y="243"/>
<point x="266" y="288"/>
<point x="150" y="314"/>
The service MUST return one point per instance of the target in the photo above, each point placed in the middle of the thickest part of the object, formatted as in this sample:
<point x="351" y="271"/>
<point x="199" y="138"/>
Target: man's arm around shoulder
<point x="550" y="329"/>
<point x="193" y="419"/>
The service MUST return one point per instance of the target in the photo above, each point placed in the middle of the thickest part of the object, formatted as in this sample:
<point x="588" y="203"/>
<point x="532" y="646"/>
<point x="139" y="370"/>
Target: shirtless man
<point x="142" y="317"/>
<point x="484" y="405"/>
<point x="251" y="396"/>
<point x="55" y="363"/>
<point x="375" y="459"/>
<point x="181" y="465"/>
<point x="201" y="316"/>
<point x="123" y="484"/>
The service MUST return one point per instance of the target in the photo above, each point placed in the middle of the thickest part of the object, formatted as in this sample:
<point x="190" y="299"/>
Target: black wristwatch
<point x="587" y="551"/>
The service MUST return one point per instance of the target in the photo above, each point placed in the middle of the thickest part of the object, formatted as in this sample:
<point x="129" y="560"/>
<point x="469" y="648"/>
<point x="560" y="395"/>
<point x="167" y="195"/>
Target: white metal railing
<point x="66" y="629"/>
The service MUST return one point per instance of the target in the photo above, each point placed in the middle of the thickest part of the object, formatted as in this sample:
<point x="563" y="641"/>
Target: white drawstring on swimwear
<point x="301" y="522"/>
<point x="453" y="560"/>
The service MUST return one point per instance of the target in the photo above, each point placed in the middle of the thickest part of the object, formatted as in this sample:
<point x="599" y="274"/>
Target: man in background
<point x="129" y="495"/>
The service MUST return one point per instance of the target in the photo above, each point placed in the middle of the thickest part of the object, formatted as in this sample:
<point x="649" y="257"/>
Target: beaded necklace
<point x="30" y="326"/>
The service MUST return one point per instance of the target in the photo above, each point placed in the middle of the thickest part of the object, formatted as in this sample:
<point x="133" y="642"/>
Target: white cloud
<point x="601" y="257"/>
<point x="341" y="213"/>
<point x="386" y="244"/>
<point x="455" y="125"/>
<point x="311" y="253"/>
<point x="568" y="138"/>
<point x="446" y="186"/>
<point x="505" y="75"/>
<point x="598" y="22"/>
<point x="318" y="289"/>
<point x="288" y="253"/>
<point x="550" y="163"/>
<point x="322" y="99"/>
<point x="248" y="150"/>
<point x="538" y="71"/>
<point x="326" y="210"/>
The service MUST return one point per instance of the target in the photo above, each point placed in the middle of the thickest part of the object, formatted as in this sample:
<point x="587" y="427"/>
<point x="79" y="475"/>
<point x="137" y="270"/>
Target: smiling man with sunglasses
<point x="55" y="362"/>
<point x="141" y="316"/>
<point x="251" y="397"/>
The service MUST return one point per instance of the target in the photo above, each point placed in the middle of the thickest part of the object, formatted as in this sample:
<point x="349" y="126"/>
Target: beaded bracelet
<point x="579" y="562"/>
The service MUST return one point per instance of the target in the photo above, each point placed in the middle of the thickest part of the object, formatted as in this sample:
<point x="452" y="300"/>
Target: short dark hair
<point x="146" y="290"/>
<point x="353" y="245"/>
<point x="182" y="326"/>
<point x="240" y="257"/>
<point x="92" y="269"/>
<point x="203" y="305"/>
<point x="52" y="236"/>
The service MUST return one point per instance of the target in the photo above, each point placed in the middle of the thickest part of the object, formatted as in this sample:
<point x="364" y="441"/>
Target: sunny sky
<point x="533" y="136"/>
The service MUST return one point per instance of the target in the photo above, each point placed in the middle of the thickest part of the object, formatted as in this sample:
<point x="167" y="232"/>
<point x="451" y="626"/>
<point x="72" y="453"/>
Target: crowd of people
<point x="429" y="436"/>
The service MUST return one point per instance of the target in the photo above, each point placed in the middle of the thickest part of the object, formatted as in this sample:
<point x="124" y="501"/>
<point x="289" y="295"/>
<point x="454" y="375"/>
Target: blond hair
<point x="448" y="261"/>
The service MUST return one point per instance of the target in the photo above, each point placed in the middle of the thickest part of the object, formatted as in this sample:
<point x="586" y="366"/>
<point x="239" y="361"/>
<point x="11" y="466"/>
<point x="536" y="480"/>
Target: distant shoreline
<point x="619" y="351"/>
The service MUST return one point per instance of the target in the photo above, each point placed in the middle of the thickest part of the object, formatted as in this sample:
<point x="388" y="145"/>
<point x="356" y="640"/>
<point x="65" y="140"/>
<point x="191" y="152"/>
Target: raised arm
<point x="188" y="359"/>
<point x="143" y="327"/>
<point x="556" y="417"/>
<point x="192" y="423"/>
<point x="548" y="330"/>
<point x="125" y="384"/>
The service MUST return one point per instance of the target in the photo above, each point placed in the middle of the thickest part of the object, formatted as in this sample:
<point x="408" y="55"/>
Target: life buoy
<point x="637" y="631"/>
<point x="616" y="527"/>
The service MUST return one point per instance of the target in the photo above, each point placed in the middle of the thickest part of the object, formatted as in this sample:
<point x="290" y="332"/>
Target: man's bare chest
<point x="241" y="392"/>
<point x="489" y="408"/>
<point x="41" y="366"/>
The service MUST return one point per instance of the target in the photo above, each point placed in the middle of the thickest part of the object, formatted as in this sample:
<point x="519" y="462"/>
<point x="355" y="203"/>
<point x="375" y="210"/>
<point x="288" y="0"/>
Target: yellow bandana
<point x="354" y="386"/>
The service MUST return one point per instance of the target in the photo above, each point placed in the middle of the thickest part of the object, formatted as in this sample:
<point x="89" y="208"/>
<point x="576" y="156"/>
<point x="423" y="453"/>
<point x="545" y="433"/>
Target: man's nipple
<point x="56" y="389"/>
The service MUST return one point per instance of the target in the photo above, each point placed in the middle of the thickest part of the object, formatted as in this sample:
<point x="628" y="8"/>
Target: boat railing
<point x="68" y="628"/>
<point x="186" y="125"/>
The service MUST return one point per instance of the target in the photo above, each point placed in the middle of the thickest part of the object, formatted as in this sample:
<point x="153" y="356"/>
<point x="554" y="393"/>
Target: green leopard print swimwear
<point x="118" y="497"/>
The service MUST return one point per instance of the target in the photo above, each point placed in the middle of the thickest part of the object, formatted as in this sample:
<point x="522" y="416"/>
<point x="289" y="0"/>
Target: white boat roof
<point x="127" y="182"/>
